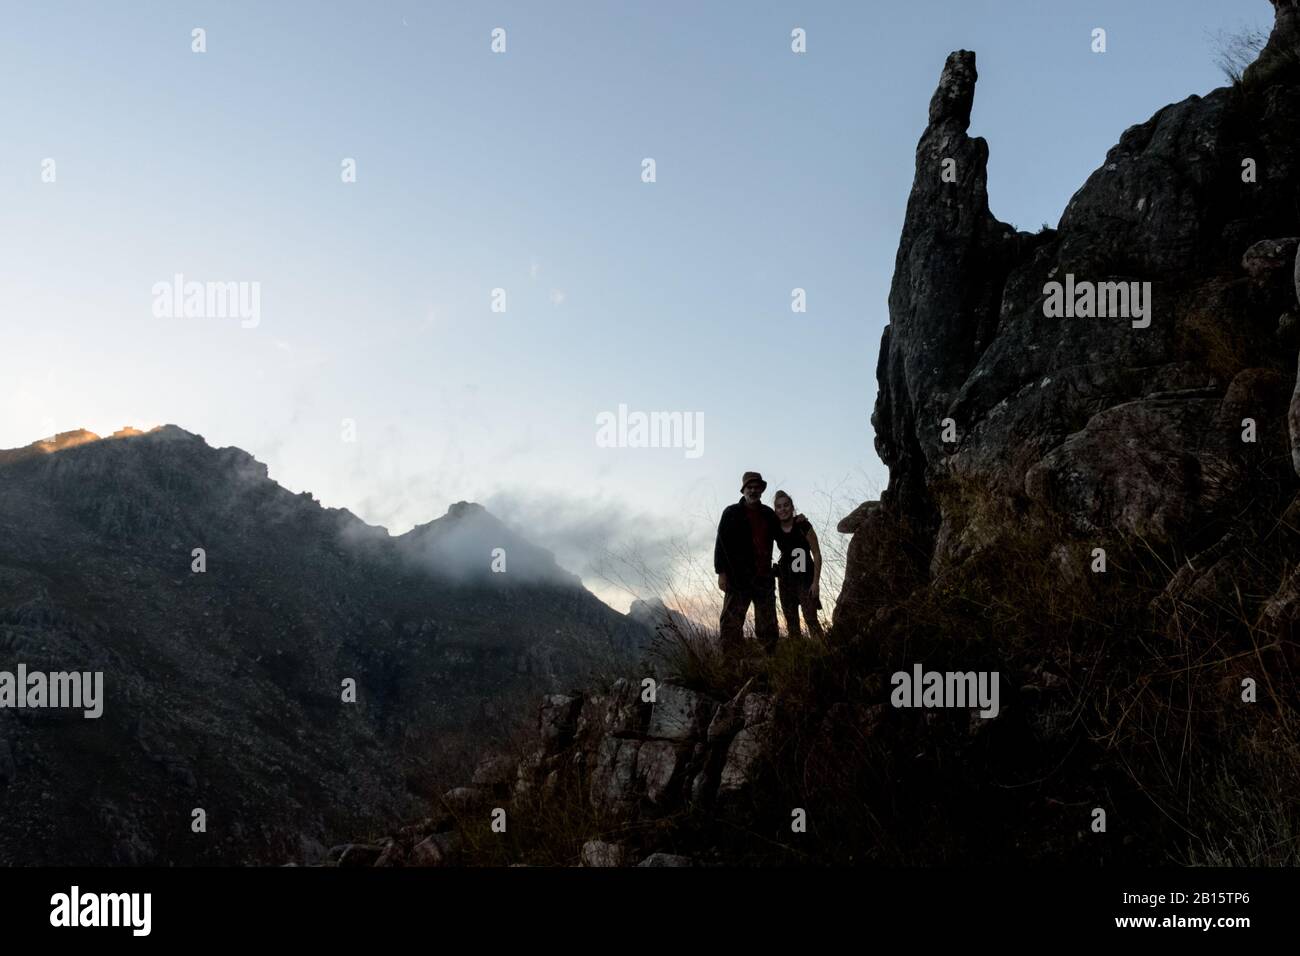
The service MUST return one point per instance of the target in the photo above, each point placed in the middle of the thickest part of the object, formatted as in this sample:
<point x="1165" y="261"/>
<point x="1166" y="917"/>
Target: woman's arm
<point x="816" y="550"/>
<point x="720" y="563"/>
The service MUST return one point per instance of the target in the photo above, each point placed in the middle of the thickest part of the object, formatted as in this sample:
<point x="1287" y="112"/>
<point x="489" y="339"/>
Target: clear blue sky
<point x="522" y="171"/>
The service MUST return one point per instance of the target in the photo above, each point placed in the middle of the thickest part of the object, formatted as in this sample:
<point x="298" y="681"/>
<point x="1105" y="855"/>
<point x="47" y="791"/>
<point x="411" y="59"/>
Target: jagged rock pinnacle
<point x="955" y="96"/>
<point x="952" y="258"/>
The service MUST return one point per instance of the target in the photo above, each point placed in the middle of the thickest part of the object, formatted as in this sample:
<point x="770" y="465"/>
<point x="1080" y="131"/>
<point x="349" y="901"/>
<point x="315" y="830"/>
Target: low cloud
<point x="613" y="548"/>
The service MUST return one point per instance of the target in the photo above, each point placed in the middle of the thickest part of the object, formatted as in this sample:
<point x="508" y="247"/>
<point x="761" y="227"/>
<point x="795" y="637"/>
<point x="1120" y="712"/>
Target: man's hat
<point x="752" y="476"/>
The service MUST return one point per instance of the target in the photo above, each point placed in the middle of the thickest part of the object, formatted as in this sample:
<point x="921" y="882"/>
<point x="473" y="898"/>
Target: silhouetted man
<point x="742" y="557"/>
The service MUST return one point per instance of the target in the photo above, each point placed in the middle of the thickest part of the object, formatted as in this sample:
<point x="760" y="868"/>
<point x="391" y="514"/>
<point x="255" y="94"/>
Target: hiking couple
<point x="742" y="558"/>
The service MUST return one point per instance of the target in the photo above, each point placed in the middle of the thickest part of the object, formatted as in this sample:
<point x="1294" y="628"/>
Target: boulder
<point x="526" y="775"/>
<point x="746" y="756"/>
<point x="621" y="713"/>
<point x="1133" y="467"/>
<point x="855" y="520"/>
<point x="602" y="854"/>
<point x="658" y="763"/>
<point x="1269" y="258"/>
<point x="494" y="771"/>
<point x="886" y="560"/>
<point x="613" y="782"/>
<point x="680" y="714"/>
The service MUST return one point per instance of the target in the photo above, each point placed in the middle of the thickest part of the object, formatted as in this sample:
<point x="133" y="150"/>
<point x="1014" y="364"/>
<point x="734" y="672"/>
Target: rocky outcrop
<point x="996" y="416"/>
<point x="1269" y="257"/>
<point x="598" y="853"/>
<point x="648" y="759"/>
<point x="948" y="279"/>
<point x="627" y="760"/>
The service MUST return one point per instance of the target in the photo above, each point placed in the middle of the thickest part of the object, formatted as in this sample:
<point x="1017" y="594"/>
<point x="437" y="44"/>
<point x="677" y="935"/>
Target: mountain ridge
<point x="226" y="613"/>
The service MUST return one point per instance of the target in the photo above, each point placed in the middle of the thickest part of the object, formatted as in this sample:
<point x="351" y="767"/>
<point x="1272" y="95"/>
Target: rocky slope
<point x="614" y="761"/>
<point x="224" y="688"/>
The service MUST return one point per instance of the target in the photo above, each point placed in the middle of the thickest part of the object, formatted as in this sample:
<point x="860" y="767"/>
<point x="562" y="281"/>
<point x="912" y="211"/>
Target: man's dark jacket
<point x="733" y="553"/>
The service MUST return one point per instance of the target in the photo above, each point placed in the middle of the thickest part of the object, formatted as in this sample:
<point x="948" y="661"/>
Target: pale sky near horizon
<point x="521" y="170"/>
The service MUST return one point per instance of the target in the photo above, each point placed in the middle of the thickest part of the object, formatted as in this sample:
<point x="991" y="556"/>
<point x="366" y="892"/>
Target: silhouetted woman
<point x="800" y="569"/>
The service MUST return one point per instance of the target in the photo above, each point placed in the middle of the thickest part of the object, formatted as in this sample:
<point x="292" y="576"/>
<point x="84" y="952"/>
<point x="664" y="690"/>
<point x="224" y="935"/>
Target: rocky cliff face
<point x="995" y="414"/>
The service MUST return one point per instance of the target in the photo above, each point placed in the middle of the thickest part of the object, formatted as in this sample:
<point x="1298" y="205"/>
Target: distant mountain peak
<point x="470" y="544"/>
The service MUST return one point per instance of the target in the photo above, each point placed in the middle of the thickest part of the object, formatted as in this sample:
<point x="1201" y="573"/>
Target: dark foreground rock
<point x="998" y="420"/>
